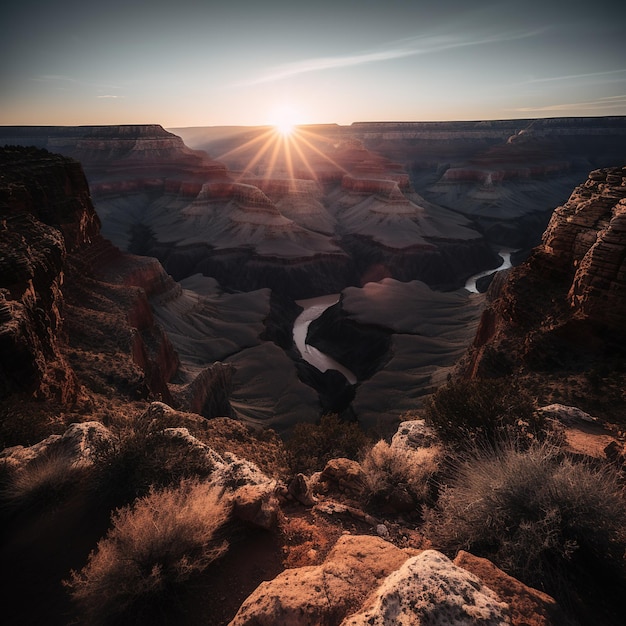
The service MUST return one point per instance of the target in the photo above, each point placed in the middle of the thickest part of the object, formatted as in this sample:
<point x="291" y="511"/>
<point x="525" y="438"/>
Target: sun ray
<point x="255" y="159"/>
<point x="324" y="156"/>
<point x="302" y="156"/>
<point x="248" y="144"/>
<point x="287" y="139"/>
<point x="272" y="164"/>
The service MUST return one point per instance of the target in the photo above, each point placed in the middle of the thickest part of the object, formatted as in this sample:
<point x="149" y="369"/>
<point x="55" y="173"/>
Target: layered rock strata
<point x="45" y="212"/>
<point x="564" y="307"/>
<point x="50" y="247"/>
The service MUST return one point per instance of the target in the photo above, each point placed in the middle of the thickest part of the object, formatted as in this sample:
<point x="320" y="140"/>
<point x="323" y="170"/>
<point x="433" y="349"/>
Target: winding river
<point x="505" y="253"/>
<point x="314" y="307"/>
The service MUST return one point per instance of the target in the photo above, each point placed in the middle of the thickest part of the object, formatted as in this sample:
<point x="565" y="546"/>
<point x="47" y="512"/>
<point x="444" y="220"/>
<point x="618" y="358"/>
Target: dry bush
<point x="397" y="477"/>
<point x="43" y="484"/>
<point x="154" y="545"/>
<point x="311" y="446"/>
<point x="484" y="412"/>
<point x="538" y="515"/>
<point x="142" y="457"/>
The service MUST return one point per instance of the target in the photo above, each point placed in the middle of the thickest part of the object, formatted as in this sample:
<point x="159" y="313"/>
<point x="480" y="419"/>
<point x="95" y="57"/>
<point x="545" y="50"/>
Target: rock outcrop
<point x="51" y="251"/>
<point x="430" y="589"/>
<point x="323" y="594"/>
<point x="563" y="309"/>
<point x="45" y="213"/>
<point x="527" y="606"/>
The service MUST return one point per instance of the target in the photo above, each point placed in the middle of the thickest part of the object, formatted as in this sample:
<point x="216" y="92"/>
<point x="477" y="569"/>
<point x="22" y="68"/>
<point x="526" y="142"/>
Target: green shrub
<point x="399" y="478"/>
<point x="311" y="446"/>
<point x="465" y="413"/>
<point x="154" y="545"/>
<point x="533" y="512"/>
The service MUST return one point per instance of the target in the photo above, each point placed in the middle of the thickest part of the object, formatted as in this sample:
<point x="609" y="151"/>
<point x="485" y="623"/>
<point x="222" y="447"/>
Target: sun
<point x="284" y="128"/>
<point x="284" y="119"/>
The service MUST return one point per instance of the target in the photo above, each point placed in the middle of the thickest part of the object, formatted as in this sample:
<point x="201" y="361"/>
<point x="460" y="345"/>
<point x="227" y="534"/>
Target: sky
<point x="245" y="62"/>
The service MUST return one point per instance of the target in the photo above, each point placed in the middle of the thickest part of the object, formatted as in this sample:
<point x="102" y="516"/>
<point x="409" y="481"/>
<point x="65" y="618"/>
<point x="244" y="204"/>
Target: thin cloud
<point x="60" y="78"/>
<point x="410" y="47"/>
<point x="576" y="76"/>
<point x="608" y="102"/>
<point x="110" y="96"/>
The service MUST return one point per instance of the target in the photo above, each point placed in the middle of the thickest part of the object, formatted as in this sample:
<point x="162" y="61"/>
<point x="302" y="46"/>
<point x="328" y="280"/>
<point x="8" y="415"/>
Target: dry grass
<point x="396" y="476"/>
<point x="154" y="545"/>
<point x="42" y="484"/>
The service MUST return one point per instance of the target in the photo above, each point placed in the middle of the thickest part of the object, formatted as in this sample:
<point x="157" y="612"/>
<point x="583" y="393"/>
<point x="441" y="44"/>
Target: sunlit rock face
<point x="564" y="307"/>
<point x="45" y="212"/>
<point x="590" y="232"/>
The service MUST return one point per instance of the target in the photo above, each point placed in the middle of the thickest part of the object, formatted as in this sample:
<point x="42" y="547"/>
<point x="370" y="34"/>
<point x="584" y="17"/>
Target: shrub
<point x="535" y="513"/>
<point x="466" y="413"/>
<point x="311" y="446"/>
<point x="42" y="484"/>
<point x="398" y="477"/>
<point x="154" y="545"/>
<point x="143" y="457"/>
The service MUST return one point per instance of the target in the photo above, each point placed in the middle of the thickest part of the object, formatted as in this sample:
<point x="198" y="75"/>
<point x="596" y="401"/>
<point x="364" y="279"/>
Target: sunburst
<point x="284" y="150"/>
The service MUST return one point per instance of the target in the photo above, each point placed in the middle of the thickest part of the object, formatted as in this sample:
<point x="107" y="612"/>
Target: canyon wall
<point x="561" y="312"/>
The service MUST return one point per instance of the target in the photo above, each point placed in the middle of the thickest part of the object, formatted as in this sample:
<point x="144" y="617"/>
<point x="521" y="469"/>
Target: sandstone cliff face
<point x="49" y="248"/>
<point x="564" y="307"/>
<point x="45" y="212"/>
<point x="124" y="149"/>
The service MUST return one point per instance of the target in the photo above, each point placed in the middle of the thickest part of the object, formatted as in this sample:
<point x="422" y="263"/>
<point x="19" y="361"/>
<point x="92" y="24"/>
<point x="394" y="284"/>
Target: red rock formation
<point x="563" y="309"/>
<point x="48" y="231"/>
<point x="45" y="212"/>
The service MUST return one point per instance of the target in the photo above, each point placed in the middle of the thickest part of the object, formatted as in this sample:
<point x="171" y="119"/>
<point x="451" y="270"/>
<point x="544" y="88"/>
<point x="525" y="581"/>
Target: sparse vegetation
<point x="467" y="413"/>
<point x="537" y="514"/>
<point x="399" y="478"/>
<point x="311" y="446"/>
<point x="42" y="484"/>
<point x="154" y="545"/>
<point x="143" y="457"/>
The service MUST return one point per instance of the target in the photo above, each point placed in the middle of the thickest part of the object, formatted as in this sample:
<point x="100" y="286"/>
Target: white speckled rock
<point x="430" y="589"/>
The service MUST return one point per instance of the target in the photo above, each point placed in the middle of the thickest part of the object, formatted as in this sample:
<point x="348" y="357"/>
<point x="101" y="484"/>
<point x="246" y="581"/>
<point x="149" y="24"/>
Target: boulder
<point x="414" y="434"/>
<point x="567" y="415"/>
<point x="76" y="444"/>
<point x="257" y="505"/>
<point x="430" y="589"/>
<point x="326" y="593"/>
<point x="528" y="606"/>
<point x="345" y="475"/>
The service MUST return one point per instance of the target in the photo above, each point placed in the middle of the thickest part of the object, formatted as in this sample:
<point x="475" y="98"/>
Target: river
<point x="314" y="307"/>
<point x="505" y="253"/>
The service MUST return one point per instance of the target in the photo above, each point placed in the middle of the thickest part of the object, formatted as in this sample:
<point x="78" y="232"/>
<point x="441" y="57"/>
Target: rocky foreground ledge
<point x="346" y="567"/>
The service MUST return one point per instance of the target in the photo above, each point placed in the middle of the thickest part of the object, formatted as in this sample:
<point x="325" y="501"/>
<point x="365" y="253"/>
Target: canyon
<point x="151" y="286"/>
<point x="386" y="215"/>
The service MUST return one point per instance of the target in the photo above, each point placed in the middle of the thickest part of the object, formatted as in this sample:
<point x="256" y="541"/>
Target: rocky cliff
<point x="561" y="312"/>
<point x="56" y="317"/>
<point x="45" y="213"/>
